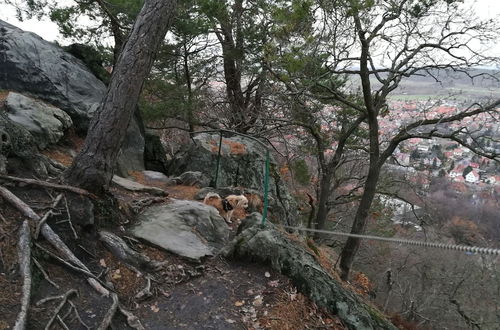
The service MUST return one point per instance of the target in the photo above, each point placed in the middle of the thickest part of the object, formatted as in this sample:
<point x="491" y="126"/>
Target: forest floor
<point x="213" y="294"/>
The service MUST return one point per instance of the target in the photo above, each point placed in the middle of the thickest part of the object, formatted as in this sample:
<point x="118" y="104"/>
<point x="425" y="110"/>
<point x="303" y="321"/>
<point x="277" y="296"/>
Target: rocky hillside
<point x="150" y="254"/>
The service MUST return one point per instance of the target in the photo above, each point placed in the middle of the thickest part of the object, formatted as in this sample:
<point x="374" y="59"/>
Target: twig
<point x="68" y="313"/>
<point x="24" y="251"/>
<point x="47" y="215"/>
<point x="2" y="218"/>
<point x="75" y="190"/>
<point x="87" y="251"/>
<point x="109" y="315"/>
<point x="78" y="315"/>
<point x="60" y="306"/>
<point x="76" y="268"/>
<point x="41" y="223"/>
<point x="44" y="273"/>
<point x="47" y="299"/>
<point x="61" y="323"/>
<point x="69" y="219"/>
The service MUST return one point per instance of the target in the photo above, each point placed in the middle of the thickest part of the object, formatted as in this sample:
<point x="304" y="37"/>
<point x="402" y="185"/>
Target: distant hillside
<point x="449" y="84"/>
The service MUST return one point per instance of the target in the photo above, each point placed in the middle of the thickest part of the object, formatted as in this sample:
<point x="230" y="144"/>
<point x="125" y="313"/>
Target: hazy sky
<point x="48" y="30"/>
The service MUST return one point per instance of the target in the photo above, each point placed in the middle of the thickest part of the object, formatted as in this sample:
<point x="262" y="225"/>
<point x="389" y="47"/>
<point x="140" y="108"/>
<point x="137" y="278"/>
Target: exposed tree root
<point x="61" y="322"/>
<point x="114" y="242"/>
<point x="47" y="215"/>
<point x="87" y="273"/>
<point x="64" y="298"/>
<point x="132" y="320"/>
<point x="56" y="186"/>
<point x="146" y="292"/>
<point x="110" y="314"/>
<point x="25" y="266"/>
<point x="75" y="235"/>
<point x="78" y="317"/>
<point x="2" y="218"/>
<point x="122" y="251"/>
<point x="51" y="237"/>
<point x="44" y="273"/>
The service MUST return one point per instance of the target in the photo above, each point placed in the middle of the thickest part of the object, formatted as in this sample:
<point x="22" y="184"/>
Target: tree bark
<point x="358" y="227"/>
<point x="93" y="167"/>
<point x="324" y="195"/>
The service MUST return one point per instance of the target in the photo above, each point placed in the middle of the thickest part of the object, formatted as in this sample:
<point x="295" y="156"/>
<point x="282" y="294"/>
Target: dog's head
<point x="237" y="201"/>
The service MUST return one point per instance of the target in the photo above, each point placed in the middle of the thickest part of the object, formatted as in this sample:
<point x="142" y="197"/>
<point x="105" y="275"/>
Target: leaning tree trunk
<point x="358" y="227"/>
<point x="93" y="168"/>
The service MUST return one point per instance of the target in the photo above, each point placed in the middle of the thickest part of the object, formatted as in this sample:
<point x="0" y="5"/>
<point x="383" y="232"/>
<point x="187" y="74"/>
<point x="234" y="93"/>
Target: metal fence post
<point x="266" y="188"/>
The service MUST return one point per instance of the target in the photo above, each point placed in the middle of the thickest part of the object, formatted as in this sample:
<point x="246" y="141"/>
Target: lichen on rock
<point x="271" y="246"/>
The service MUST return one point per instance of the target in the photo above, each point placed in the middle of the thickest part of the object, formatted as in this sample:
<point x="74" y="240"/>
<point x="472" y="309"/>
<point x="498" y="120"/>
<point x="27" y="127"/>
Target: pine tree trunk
<point x="93" y="168"/>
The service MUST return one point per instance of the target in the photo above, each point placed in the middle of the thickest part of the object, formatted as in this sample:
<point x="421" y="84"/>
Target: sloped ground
<point x="215" y="294"/>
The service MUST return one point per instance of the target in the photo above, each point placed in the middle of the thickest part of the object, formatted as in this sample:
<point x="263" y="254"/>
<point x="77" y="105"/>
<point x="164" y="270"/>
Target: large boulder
<point x="29" y="64"/>
<point x="35" y="67"/>
<point x="241" y="165"/>
<point x="155" y="158"/>
<point x="190" y="229"/>
<point x="271" y="246"/>
<point x="46" y="123"/>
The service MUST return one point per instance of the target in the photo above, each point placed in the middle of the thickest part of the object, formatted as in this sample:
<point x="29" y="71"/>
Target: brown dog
<point x="226" y="206"/>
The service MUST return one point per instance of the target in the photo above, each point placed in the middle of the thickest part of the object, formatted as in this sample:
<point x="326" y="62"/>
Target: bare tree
<point x="410" y="38"/>
<point x="371" y="47"/>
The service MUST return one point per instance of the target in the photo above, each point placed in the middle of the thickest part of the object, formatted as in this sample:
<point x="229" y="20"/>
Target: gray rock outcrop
<point x="17" y="144"/>
<point x="29" y="64"/>
<point x="190" y="229"/>
<point x="270" y="246"/>
<point x="136" y="186"/>
<point x="46" y="123"/>
<point x="193" y="179"/>
<point x="43" y="70"/>
<point x="241" y="165"/>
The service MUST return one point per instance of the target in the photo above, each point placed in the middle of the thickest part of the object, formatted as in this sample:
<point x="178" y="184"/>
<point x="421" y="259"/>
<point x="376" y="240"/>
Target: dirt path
<point x="217" y="294"/>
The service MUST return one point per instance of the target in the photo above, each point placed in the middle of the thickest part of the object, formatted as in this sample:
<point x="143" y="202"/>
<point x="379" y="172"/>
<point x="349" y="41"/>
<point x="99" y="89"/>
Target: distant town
<point x="427" y="158"/>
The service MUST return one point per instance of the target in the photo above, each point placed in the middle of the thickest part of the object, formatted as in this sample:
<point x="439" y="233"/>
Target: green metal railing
<point x="266" y="166"/>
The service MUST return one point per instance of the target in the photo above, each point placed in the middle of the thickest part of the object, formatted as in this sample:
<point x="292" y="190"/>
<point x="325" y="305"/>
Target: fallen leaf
<point x="102" y="262"/>
<point x="274" y="284"/>
<point x="230" y="321"/>
<point x="155" y="308"/>
<point x="258" y="301"/>
<point x="116" y="275"/>
<point x="267" y="274"/>
<point x="239" y="303"/>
